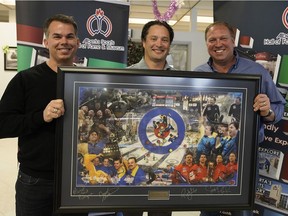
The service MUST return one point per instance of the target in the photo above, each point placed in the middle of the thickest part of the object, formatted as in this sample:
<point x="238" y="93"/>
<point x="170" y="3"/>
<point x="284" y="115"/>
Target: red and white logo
<point x="98" y="23"/>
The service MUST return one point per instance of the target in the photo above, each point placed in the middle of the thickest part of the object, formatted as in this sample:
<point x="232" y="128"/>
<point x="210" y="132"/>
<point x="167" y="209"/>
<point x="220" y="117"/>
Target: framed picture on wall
<point x="10" y="59"/>
<point x="152" y="140"/>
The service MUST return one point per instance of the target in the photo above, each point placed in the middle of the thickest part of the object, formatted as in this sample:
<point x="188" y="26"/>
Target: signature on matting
<point x="218" y="190"/>
<point x="188" y="193"/>
<point x="107" y="193"/>
<point x="81" y="191"/>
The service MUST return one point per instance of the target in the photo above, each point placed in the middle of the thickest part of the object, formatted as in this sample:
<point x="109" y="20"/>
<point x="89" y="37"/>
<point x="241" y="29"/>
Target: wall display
<point x="134" y="139"/>
<point x="102" y="31"/>
<point x="269" y="48"/>
<point x="10" y="59"/>
<point x="270" y="162"/>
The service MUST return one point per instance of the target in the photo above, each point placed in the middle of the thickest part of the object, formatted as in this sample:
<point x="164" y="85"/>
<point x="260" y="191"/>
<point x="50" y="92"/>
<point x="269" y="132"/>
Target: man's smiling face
<point x="156" y="44"/>
<point x="220" y="44"/>
<point x="62" y="43"/>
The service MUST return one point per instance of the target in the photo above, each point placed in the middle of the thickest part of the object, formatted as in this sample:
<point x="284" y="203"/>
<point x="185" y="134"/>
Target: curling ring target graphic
<point x="161" y="130"/>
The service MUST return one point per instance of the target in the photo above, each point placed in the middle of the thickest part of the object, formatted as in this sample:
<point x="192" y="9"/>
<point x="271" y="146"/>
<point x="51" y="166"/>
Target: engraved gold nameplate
<point x="158" y="195"/>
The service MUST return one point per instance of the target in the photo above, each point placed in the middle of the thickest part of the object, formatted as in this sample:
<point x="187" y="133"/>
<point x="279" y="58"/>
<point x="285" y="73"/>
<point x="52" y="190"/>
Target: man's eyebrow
<point x="69" y="34"/>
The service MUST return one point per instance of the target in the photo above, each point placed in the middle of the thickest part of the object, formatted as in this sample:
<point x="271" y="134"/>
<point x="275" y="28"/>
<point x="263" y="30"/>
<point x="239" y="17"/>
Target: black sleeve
<point x="15" y="120"/>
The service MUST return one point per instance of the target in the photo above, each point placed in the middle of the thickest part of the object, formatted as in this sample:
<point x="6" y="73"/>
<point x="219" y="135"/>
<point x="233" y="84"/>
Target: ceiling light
<point x="144" y="21"/>
<point x="138" y="20"/>
<point x="8" y="2"/>
<point x="204" y="19"/>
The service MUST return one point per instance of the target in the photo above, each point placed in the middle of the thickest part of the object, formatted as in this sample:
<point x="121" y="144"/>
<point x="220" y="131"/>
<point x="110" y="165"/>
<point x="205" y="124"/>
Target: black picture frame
<point x="142" y="99"/>
<point x="10" y="59"/>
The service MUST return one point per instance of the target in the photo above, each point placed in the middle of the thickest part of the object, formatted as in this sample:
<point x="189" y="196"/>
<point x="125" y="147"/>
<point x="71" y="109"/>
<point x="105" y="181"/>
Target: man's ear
<point x="233" y="40"/>
<point x="45" y="43"/>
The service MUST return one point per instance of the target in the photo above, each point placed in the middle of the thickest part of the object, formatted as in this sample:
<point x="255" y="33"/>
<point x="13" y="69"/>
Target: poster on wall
<point x="264" y="40"/>
<point x="102" y="30"/>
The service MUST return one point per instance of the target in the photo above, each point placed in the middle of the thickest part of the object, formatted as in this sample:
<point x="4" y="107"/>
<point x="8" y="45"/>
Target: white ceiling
<point x="144" y="10"/>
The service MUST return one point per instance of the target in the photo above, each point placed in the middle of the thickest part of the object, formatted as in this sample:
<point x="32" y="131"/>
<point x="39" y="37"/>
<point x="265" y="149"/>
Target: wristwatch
<point x="269" y="113"/>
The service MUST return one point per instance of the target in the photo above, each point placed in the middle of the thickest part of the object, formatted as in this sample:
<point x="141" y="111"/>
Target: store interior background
<point x="189" y="23"/>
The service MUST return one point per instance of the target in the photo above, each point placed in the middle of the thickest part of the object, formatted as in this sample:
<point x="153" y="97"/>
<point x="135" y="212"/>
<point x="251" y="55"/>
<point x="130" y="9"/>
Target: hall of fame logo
<point x="98" y="23"/>
<point x="282" y="37"/>
<point x="161" y="130"/>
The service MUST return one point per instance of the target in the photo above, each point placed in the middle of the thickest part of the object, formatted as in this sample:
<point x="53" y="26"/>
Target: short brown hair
<point x="61" y="18"/>
<point x="147" y="26"/>
<point x="218" y="23"/>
